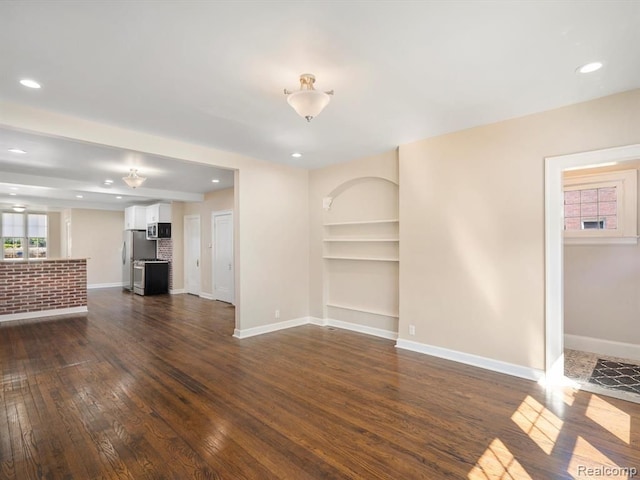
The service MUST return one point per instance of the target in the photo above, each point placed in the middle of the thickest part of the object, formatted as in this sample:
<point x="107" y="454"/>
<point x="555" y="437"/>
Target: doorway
<point x="192" y="254"/>
<point x="222" y="261"/>
<point x="554" y="275"/>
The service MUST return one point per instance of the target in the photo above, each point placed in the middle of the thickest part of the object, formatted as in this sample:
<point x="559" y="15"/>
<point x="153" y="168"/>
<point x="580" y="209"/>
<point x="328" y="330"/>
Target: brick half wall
<point x="43" y="285"/>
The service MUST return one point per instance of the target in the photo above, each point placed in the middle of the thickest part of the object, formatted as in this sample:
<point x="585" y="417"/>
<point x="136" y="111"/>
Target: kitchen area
<point x="147" y="249"/>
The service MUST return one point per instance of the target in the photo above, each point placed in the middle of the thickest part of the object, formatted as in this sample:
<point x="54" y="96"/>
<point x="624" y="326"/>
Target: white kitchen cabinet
<point x="135" y="218"/>
<point x="158" y="213"/>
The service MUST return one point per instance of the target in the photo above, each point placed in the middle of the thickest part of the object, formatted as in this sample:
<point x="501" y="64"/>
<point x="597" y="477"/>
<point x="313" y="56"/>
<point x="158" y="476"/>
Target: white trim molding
<point x="42" y="313"/>
<point x="356" y="327"/>
<point x="272" y="327"/>
<point x="554" y="227"/>
<point x="206" y="296"/>
<point x="320" y="322"/>
<point x="104" y="285"/>
<point x="499" y="366"/>
<point x="177" y="291"/>
<point x="602" y="347"/>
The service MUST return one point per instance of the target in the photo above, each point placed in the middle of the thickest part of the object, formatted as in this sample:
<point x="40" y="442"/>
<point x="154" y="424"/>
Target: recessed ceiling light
<point x="26" y="82"/>
<point x="296" y="155"/>
<point x="215" y="180"/>
<point x="13" y="194"/>
<point x="16" y="150"/>
<point x="79" y="196"/>
<point x="108" y="182"/>
<point x="589" y="67"/>
<point x="119" y="197"/>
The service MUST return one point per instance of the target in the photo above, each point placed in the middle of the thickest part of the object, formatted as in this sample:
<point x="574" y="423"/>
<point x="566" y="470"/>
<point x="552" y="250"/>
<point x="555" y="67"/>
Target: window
<point x="601" y="208"/>
<point x="24" y="235"/>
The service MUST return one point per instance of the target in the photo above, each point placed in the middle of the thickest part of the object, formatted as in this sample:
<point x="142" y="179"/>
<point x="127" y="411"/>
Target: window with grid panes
<point x="601" y="208"/>
<point x="24" y="235"/>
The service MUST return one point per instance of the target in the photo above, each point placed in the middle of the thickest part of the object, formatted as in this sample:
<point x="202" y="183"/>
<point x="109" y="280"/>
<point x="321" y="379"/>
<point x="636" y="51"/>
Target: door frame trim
<point x="554" y="270"/>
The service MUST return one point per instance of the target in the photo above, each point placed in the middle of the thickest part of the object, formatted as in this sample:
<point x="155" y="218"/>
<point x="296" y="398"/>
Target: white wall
<point x="472" y="227"/>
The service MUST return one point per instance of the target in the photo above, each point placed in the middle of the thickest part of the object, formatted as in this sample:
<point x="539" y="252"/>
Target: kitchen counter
<point x="42" y="287"/>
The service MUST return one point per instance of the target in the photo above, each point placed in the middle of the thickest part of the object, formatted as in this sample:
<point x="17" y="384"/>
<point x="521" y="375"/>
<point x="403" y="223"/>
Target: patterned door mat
<point x="616" y="375"/>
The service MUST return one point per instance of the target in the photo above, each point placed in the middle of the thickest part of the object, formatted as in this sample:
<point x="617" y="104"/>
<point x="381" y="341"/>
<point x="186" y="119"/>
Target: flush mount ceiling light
<point x="296" y="155"/>
<point x="19" y="208"/>
<point x="16" y="150"/>
<point x="133" y="179"/>
<point x="308" y="102"/>
<point x="589" y="67"/>
<point x="27" y="82"/>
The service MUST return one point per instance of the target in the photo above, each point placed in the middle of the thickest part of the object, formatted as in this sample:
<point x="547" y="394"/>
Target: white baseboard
<point x="326" y="322"/>
<point x="320" y="322"/>
<point x="466" y="358"/>
<point x="206" y="296"/>
<point x="474" y="360"/>
<point x="177" y="291"/>
<point x="104" y="285"/>
<point x="356" y="327"/>
<point x="603" y="347"/>
<point x="42" y="313"/>
<point x="272" y="327"/>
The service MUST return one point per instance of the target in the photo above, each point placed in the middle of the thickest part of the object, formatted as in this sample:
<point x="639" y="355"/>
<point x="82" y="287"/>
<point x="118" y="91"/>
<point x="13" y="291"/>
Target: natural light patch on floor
<point x="498" y="463"/>
<point x="569" y="396"/>
<point x="610" y="418"/>
<point x="589" y="462"/>
<point x="542" y="425"/>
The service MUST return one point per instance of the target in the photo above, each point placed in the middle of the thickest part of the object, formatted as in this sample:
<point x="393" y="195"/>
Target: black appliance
<point x="150" y="277"/>
<point x="158" y="230"/>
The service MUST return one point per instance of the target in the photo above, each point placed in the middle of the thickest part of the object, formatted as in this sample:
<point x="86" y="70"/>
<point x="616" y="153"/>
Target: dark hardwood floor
<point x="157" y="388"/>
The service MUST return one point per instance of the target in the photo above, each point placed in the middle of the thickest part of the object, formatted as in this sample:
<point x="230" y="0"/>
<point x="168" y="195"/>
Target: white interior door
<point x="223" y="268"/>
<point x="192" y="254"/>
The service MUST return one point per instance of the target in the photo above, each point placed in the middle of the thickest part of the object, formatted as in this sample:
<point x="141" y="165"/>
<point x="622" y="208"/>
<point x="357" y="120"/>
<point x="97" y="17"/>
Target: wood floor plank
<point x="157" y="387"/>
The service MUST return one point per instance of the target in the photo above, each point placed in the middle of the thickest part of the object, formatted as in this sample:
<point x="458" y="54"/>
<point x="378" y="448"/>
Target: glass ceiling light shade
<point x="308" y="102"/>
<point x="133" y="179"/>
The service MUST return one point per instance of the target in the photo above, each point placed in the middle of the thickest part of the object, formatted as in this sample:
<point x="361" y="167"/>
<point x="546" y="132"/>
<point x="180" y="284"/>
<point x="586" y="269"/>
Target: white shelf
<point x="363" y="310"/>
<point x="368" y="259"/>
<point x="362" y="222"/>
<point x="361" y="239"/>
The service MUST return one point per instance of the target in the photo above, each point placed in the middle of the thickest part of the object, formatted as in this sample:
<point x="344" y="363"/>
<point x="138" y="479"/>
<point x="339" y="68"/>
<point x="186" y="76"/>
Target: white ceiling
<point x="213" y="73"/>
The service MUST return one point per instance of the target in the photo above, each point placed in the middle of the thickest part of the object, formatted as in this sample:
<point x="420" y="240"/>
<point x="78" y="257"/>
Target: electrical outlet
<point x="412" y="329"/>
<point x="277" y="315"/>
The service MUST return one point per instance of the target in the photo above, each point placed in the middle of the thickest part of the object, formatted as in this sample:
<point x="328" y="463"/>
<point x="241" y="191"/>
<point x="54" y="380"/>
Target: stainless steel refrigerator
<point x="135" y="246"/>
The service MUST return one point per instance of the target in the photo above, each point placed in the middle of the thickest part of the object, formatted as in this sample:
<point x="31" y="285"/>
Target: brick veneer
<point x="32" y="286"/>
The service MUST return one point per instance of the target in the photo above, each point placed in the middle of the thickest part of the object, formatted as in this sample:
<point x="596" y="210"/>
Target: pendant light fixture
<point x="308" y="102"/>
<point x="133" y="179"/>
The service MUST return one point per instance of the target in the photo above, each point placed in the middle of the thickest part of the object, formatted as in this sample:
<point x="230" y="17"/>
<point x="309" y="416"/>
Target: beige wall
<point x="322" y="182"/>
<point x="271" y="211"/>
<point x="54" y="235"/>
<point x="213" y="202"/>
<point x="177" y="242"/>
<point x="472" y="226"/>
<point x="97" y="236"/>
<point x="602" y="285"/>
